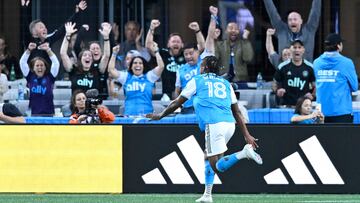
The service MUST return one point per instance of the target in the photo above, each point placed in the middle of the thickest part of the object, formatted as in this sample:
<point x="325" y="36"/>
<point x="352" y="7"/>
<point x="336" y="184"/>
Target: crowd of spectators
<point x="109" y="63"/>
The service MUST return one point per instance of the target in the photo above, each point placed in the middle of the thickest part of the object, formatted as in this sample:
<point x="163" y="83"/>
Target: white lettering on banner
<point x="136" y="86"/>
<point x="298" y="171"/>
<point x="296" y="82"/>
<point x="328" y="72"/>
<point x="175" y="169"/>
<point x="39" y="90"/>
<point x="190" y="74"/>
<point x="85" y="82"/>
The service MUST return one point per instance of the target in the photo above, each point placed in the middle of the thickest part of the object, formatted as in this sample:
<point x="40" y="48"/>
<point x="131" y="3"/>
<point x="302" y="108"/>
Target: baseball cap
<point x="297" y="41"/>
<point x="333" y="39"/>
<point x="11" y="110"/>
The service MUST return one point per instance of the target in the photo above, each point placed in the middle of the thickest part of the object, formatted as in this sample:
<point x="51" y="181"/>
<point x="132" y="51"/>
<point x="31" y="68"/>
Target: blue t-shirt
<point x="307" y="121"/>
<point x="41" y="101"/>
<point x="212" y="97"/>
<point x="138" y="91"/>
<point x="185" y="74"/>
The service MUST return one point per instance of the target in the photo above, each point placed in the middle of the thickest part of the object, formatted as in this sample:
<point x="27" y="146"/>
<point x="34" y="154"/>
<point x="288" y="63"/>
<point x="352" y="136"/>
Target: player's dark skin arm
<point x="239" y="121"/>
<point x="169" y="109"/>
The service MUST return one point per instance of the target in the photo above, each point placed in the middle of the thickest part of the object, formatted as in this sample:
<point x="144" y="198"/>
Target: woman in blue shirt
<point x="303" y="113"/>
<point x="137" y="82"/>
<point x="40" y="77"/>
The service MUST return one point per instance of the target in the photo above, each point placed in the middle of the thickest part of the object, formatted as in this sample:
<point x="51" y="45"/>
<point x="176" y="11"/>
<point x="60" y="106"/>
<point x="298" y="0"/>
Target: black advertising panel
<point x="297" y="159"/>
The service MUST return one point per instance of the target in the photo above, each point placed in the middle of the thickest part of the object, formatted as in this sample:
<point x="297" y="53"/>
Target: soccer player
<point x="216" y="109"/>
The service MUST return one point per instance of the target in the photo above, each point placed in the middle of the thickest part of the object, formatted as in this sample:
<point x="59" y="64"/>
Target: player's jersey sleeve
<point x="189" y="90"/>
<point x="233" y="96"/>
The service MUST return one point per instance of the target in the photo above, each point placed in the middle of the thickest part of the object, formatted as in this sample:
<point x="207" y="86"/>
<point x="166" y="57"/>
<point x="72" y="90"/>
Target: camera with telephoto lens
<point x="91" y="103"/>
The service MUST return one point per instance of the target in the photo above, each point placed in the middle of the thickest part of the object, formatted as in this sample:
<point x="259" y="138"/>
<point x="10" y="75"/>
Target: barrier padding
<point x="61" y="159"/>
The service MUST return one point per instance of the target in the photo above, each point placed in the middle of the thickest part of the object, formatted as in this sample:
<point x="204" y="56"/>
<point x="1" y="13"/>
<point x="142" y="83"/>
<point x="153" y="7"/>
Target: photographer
<point x="86" y="109"/>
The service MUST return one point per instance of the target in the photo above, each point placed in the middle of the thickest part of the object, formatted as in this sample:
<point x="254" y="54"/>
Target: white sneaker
<point x="205" y="198"/>
<point x="251" y="154"/>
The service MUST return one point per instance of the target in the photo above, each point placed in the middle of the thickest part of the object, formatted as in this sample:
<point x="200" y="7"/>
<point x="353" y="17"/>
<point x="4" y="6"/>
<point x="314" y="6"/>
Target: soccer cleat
<point x="251" y="154"/>
<point x="204" y="198"/>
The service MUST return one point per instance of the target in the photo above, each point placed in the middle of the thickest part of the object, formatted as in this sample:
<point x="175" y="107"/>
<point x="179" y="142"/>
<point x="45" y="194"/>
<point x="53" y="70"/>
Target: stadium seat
<point x="62" y="84"/>
<point x="62" y="94"/>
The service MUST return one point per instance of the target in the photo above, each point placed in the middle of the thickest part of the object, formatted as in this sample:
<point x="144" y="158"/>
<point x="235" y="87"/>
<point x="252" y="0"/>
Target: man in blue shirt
<point x="336" y="78"/>
<point x="186" y="72"/>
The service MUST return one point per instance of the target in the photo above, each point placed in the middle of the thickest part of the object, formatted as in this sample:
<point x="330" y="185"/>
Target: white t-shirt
<point x="3" y="85"/>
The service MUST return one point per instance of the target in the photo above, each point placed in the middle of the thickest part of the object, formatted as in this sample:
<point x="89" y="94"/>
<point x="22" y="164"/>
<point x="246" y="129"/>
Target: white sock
<point x="241" y="155"/>
<point x="208" y="189"/>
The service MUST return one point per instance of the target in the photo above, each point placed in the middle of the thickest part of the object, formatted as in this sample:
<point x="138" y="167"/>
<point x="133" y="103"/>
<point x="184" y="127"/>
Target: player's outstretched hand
<point x="153" y="116"/>
<point x="251" y="140"/>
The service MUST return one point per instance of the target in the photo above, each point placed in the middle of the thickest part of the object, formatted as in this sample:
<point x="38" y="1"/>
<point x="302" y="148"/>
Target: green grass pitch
<point x="178" y="198"/>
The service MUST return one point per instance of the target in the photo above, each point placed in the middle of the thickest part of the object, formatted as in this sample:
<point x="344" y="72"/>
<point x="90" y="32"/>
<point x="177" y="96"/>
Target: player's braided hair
<point x="212" y="65"/>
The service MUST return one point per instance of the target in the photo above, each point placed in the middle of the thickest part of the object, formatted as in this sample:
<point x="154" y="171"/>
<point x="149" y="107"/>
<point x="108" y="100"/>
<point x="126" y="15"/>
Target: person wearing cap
<point x="295" y="77"/>
<point x="336" y="78"/>
<point x="295" y="28"/>
<point x="10" y="114"/>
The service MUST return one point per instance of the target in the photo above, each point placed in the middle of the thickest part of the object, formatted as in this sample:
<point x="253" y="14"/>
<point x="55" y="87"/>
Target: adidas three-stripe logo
<point x="176" y="170"/>
<point x="298" y="171"/>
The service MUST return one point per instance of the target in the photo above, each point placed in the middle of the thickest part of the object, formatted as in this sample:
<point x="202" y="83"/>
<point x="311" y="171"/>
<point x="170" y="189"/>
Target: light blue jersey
<point x="138" y="91"/>
<point x="212" y="97"/>
<point x="336" y="78"/>
<point x="185" y="74"/>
